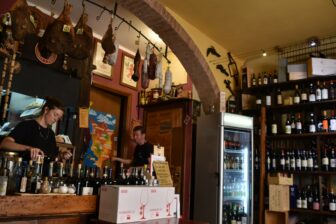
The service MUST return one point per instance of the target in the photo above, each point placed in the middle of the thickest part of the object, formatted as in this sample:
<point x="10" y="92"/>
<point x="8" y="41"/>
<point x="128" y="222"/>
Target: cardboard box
<point x="280" y="179"/>
<point x="321" y="66"/>
<point x="297" y="71"/>
<point x="124" y="204"/>
<point x="279" y="198"/>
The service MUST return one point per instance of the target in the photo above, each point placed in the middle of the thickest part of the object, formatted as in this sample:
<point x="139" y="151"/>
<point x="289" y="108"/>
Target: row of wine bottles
<point x="264" y="79"/>
<point x="305" y="94"/>
<point x="234" y="213"/>
<point x="26" y="177"/>
<point x="312" y="124"/>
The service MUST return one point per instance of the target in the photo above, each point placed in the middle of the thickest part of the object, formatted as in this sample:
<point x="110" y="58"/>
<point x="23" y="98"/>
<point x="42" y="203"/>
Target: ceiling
<point x="247" y="27"/>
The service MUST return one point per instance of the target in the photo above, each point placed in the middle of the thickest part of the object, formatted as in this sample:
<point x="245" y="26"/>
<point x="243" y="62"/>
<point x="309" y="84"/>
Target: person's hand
<point x="35" y="152"/>
<point x="66" y="155"/>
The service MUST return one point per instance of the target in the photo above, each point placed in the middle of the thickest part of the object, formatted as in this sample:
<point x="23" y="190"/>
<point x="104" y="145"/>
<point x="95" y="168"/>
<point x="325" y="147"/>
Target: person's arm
<point x="10" y="144"/>
<point x="124" y="161"/>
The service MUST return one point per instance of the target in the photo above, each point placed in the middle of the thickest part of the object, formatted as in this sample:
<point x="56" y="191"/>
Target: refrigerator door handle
<point x="217" y="177"/>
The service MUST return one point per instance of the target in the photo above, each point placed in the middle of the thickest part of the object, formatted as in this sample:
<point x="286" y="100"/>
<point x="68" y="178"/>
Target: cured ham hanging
<point x="108" y="42"/>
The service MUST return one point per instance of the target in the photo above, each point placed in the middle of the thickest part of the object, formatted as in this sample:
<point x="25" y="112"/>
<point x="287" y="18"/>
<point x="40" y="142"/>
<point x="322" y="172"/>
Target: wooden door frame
<point x="128" y="117"/>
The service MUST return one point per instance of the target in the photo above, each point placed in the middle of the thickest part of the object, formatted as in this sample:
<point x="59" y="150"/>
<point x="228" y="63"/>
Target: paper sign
<point x="83" y="117"/>
<point x="158" y="150"/>
<point x="163" y="173"/>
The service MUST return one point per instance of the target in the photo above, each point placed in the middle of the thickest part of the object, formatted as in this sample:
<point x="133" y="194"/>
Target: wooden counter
<point x="47" y="208"/>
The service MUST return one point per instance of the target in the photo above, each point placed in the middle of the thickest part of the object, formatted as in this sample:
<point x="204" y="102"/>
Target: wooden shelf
<point x="305" y="135"/>
<point x="285" y="85"/>
<point x="320" y="173"/>
<point x="313" y="212"/>
<point x="302" y="106"/>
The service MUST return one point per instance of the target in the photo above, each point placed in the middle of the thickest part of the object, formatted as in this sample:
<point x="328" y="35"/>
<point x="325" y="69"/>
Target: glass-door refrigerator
<point x="224" y="169"/>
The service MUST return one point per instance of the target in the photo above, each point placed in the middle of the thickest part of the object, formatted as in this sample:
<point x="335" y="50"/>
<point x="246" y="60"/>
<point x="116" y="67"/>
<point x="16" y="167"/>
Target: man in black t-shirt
<point x="143" y="149"/>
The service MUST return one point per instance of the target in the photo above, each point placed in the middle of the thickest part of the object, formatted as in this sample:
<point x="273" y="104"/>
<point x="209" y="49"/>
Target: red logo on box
<point x="124" y="191"/>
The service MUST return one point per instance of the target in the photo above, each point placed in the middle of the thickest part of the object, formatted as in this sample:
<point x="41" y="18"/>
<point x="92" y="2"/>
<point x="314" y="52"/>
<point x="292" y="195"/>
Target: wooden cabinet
<point x="169" y="124"/>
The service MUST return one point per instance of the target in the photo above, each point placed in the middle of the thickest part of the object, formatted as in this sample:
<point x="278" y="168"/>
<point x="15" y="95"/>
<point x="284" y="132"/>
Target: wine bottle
<point x="104" y="180"/>
<point x="325" y="92"/>
<point x="304" y="95"/>
<point x="310" y="197"/>
<point x="274" y="127"/>
<point x="298" y="161"/>
<point x="268" y="99"/>
<point x="293" y="162"/>
<point x="293" y="124"/>
<point x="288" y="161"/>
<point x="282" y="161"/>
<point x="36" y="177"/>
<point x="298" y="124"/>
<point x="310" y="161"/>
<point x="325" y="122"/>
<point x="270" y="78"/>
<point x="312" y="96"/>
<point x="111" y="181"/>
<point x="297" y="95"/>
<point x="304" y="200"/>
<point x="18" y="174"/>
<point x="288" y="127"/>
<point x="332" y="122"/>
<point x="97" y="182"/>
<point x="259" y="80"/>
<point x="275" y="77"/>
<point x="332" y="91"/>
<point x="304" y="161"/>
<point x="86" y="188"/>
<point x="318" y="92"/>
<point x="265" y="79"/>
<point x="279" y="97"/>
<point x="23" y="182"/>
<point x="332" y="202"/>
<point x="254" y="80"/>
<point x="3" y="177"/>
<point x="274" y="161"/>
<point x="312" y="125"/>
<point x="316" y="202"/>
<point x="332" y="159"/>
<point x="325" y="160"/>
<point x="30" y="169"/>
<point x="258" y="101"/>
<point x="79" y="180"/>
<point x="299" y="200"/>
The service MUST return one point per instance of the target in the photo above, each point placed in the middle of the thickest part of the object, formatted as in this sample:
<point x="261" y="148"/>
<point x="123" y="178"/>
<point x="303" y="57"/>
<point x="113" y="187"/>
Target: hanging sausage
<point x="152" y="65"/>
<point x="158" y="70"/>
<point x="82" y="45"/>
<point x="59" y="35"/>
<point x="137" y="60"/>
<point x="144" y="76"/>
<point x="108" y="42"/>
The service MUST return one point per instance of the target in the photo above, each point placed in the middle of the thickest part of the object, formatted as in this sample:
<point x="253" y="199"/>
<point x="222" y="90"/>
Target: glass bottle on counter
<point x="111" y="181"/>
<point x="3" y="177"/>
<point x="86" y="184"/>
<point x="104" y="180"/>
<point x="30" y="170"/>
<point x="36" y="177"/>
<point x="79" y="180"/>
<point x="18" y="172"/>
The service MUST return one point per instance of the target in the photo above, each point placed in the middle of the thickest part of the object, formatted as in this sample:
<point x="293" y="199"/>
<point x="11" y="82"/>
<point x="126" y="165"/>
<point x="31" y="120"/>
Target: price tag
<point x="83" y="117"/>
<point x="66" y="28"/>
<point x="80" y="31"/>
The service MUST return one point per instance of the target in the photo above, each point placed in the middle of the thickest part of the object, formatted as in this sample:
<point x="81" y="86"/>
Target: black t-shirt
<point x="142" y="153"/>
<point x="32" y="134"/>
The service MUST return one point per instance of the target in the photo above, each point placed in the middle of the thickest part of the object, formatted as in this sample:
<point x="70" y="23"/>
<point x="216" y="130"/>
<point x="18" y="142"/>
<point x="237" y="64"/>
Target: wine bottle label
<point x="292" y="163"/>
<point x="38" y="185"/>
<point x="274" y="163"/>
<point x="265" y="81"/>
<point x="332" y="206"/>
<point x="288" y="129"/>
<point x="312" y="128"/>
<point x="332" y="163"/>
<point x="325" y="161"/>
<point x="325" y="125"/>
<point x="279" y="99"/>
<point x="318" y="94"/>
<point x="312" y="98"/>
<point x="268" y="101"/>
<point x="316" y="205"/>
<point x="23" y="185"/>
<point x="282" y="162"/>
<point x="258" y="101"/>
<point x="259" y="82"/>
<point x="332" y="124"/>
<point x="298" y="125"/>
<point x="304" y="163"/>
<point x="274" y="129"/>
<point x="304" y="203"/>
<point x="254" y="82"/>
<point x="303" y="96"/>
<point x="275" y="80"/>
<point x="325" y="94"/>
<point x="86" y="191"/>
<point x="310" y="163"/>
<point x="296" y="99"/>
<point x="298" y="163"/>
<point x="299" y="203"/>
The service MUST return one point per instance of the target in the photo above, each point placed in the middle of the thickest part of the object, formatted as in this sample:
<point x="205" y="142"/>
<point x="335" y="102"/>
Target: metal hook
<point x="101" y="13"/>
<point x="129" y="25"/>
<point x="117" y="27"/>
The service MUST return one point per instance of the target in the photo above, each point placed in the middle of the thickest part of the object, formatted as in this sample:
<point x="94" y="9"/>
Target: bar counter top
<point x="37" y="206"/>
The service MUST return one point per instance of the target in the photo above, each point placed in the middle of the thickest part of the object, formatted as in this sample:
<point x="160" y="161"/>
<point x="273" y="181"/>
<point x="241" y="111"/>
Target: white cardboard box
<point x="321" y="66"/>
<point x="297" y="71"/>
<point x="124" y="204"/>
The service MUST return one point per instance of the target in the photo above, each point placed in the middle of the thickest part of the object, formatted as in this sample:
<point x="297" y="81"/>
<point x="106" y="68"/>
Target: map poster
<point x="102" y="127"/>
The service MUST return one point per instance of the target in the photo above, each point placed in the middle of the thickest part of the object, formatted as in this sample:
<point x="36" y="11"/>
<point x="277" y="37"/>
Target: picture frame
<point x="102" y="69"/>
<point x="127" y="70"/>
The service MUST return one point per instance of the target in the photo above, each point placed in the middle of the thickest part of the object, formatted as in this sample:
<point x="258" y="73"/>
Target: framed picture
<point x="127" y="70"/>
<point x="104" y="70"/>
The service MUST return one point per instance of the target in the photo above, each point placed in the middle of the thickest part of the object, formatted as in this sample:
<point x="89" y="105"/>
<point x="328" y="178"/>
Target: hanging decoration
<point x="144" y="77"/>
<point x="108" y="42"/>
<point x="233" y="68"/>
<point x="168" y="81"/>
<point x="158" y="71"/>
<point x="211" y="50"/>
<point x="152" y="65"/>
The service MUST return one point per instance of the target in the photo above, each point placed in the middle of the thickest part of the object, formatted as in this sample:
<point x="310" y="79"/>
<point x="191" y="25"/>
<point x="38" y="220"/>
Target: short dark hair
<point x="51" y="103"/>
<point x="139" y="128"/>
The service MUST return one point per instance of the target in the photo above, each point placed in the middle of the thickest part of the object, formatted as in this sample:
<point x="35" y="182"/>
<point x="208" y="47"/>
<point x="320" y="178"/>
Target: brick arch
<point x="155" y="16"/>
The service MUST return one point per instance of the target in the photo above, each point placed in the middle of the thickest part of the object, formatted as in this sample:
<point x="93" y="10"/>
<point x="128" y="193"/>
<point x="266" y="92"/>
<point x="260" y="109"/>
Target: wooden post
<point x="262" y="163"/>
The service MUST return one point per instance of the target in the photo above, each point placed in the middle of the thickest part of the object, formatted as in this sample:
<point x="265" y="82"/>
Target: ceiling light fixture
<point x="264" y="54"/>
<point x="313" y="42"/>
